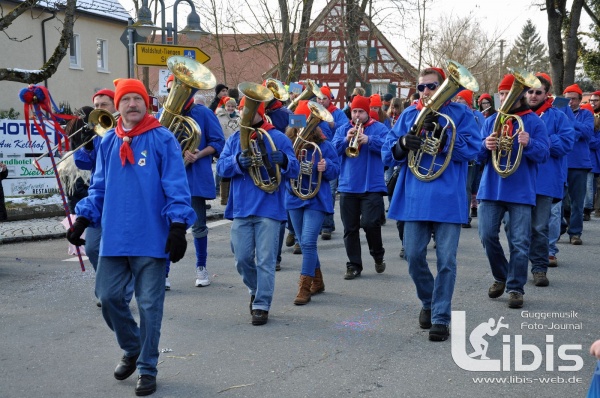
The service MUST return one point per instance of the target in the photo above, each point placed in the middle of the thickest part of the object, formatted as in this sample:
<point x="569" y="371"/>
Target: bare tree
<point x="50" y="67"/>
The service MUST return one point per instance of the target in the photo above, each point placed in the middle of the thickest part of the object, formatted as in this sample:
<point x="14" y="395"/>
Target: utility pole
<point x="501" y="58"/>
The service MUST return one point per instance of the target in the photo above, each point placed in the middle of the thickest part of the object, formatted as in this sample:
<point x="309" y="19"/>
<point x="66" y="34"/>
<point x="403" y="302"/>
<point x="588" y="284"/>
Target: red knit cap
<point x="467" y="95"/>
<point x="376" y="100"/>
<point x="261" y="107"/>
<point x="440" y="71"/>
<point x="587" y="106"/>
<point x="545" y="76"/>
<point x="374" y="115"/>
<point x="170" y="79"/>
<point x="573" y="88"/>
<point x="128" y="86"/>
<point x="302" y="108"/>
<point x="506" y="83"/>
<point x="104" y="91"/>
<point x="360" y="102"/>
<point x="326" y="91"/>
<point x="484" y="96"/>
<point x="596" y="93"/>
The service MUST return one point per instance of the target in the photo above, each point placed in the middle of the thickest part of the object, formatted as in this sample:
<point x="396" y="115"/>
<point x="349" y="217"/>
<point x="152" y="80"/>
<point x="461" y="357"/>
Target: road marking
<point x="76" y="258"/>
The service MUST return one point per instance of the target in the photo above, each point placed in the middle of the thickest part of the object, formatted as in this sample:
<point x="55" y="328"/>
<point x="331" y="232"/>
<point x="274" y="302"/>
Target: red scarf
<point x="265" y="126"/>
<point x="365" y="125"/>
<point x="148" y="123"/>
<point x="544" y="107"/>
<point x="419" y="104"/>
<point x="521" y="113"/>
<point x="332" y="108"/>
<point x="276" y="104"/>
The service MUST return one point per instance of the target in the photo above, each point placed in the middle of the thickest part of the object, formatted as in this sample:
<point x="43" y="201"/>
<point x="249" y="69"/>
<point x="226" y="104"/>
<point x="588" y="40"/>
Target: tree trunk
<point x="572" y="43"/>
<point x="300" y="50"/>
<point x="354" y="16"/>
<point x="556" y="10"/>
<point x="286" y="57"/>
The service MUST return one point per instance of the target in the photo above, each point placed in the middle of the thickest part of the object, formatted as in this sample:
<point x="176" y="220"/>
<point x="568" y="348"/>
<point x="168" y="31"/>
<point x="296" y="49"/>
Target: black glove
<point x="410" y="142"/>
<point x="244" y="161"/>
<point x="89" y="145"/>
<point x="279" y="158"/>
<point x="74" y="233"/>
<point x="176" y="242"/>
<point x="443" y="142"/>
<point x="430" y="122"/>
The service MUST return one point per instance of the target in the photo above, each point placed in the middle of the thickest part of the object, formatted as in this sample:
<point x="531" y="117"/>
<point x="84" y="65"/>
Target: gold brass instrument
<point x="458" y="78"/>
<point x="190" y="76"/>
<point x="502" y="157"/>
<point x="310" y="90"/>
<point x="302" y="145"/>
<point x="252" y="141"/>
<point x="353" y="149"/>
<point x="278" y="89"/>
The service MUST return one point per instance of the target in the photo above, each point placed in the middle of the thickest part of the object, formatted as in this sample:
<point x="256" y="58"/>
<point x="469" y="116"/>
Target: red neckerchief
<point x="365" y="125"/>
<point x="521" y="113"/>
<point x="274" y="106"/>
<point x="189" y="104"/>
<point x="148" y="123"/>
<point x="332" y="108"/>
<point x="265" y="126"/>
<point x="419" y="104"/>
<point x="544" y="107"/>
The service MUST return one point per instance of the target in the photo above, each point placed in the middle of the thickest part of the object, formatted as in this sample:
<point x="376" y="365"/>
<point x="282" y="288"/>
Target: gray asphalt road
<point x="358" y="339"/>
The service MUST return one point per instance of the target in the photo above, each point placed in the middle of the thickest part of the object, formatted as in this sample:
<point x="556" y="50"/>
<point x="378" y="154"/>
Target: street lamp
<point x="193" y="30"/>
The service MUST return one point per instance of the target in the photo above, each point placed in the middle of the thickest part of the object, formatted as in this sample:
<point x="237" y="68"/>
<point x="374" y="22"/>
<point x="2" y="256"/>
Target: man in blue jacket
<point x="579" y="162"/>
<point x="361" y="186"/>
<point x="141" y="197"/>
<point x="256" y="214"/>
<point x="437" y="206"/>
<point x="513" y="195"/>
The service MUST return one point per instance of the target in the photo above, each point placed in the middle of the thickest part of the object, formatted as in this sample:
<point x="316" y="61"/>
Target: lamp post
<point x="193" y="30"/>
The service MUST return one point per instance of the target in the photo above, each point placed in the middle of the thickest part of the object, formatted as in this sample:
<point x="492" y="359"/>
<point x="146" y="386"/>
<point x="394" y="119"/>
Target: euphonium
<point x="502" y="157"/>
<point x="310" y="90"/>
<point x="278" y="89"/>
<point x="458" y="78"/>
<point x="302" y="146"/>
<point x="190" y="76"/>
<point x="264" y="175"/>
<point x="353" y="149"/>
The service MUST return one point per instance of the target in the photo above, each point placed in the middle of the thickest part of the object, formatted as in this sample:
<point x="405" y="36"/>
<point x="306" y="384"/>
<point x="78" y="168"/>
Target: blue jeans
<point x="435" y="294"/>
<point x="554" y="228"/>
<point x="471" y="175"/>
<point x="112" y="278"/>
<point x="256" y="237"/>
<point x="199" y="228"/>
<point x="307" y="224"/>
<point x="328" y="222"/>
<point x="281" y="235"/>
<point x="490" y="215"/>
<point x="576" y="180"/>
<point x="539" y="247"/>
<point x="92" y="245"/>
<point x="590" y="191"/>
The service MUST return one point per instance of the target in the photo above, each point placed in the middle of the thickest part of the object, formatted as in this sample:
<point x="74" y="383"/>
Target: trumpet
<point x="502" y="158"/>
<point x="353" y="149"/>
<point x="301" y="147"/>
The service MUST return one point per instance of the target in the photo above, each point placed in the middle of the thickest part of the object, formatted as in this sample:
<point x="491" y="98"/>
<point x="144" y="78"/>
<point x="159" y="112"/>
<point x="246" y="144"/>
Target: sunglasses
<point x="485" y="103"/>
<point x="431" y="86"/>
<point x="596" y="100"/>
<point x="536" y="92"/>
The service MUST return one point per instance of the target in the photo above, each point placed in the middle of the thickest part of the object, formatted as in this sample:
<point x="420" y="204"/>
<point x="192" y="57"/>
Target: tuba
<point x="502" y="156"/>
<point x="318" y="113"/>
<point x="252" y="141"/>
<point x="278" y="89"/>
<point x="311" y="89"/>
<point x="353" y="149"/>
<point x="190" y="76"/>
<point x="458" y="78"/>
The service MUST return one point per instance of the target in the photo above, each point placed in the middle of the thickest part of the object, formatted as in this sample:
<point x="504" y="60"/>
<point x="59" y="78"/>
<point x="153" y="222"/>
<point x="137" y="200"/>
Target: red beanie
<point x="374" y="115"/>
<point x="587" y="106"/>
<point x="104" y="91"/>
<point x="573" y="88"/>
<point x="484" y="96"/>
<point x="467" y="95"/>
<point x="506" y="83"/>
<point x="326" y="91"/>
<point x="596" y="93"/>
<point x="302" y="108"/>
<point x="170" y="79"/>
<point x="261" y="107"/>
<point x="545" y="76"/>
<point x="376" y="100"/>
<point x="128" y="86"/>
<point x="440" y="71"/>
<point x="360" y="102"/>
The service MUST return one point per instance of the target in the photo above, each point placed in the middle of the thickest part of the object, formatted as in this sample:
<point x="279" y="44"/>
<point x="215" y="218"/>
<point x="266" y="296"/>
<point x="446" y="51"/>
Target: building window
<point x="75" y="52"/>
<point x="322" y="55"/>
<point x="102" y="54"/>
<point x="365" y="53"/>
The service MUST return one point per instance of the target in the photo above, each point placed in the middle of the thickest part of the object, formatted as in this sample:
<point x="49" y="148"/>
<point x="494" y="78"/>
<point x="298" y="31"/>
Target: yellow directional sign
<point x="157" y="54"/>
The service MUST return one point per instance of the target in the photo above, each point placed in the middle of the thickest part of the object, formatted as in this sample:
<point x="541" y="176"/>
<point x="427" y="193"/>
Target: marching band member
<point x="514" y="195"/>
<point x="307" y="215"/>
<point x="578" y="161"/>
<point x="595" y="104"/>
<point x="229" y="118"/>
<point x="435" y="206"/>
<point x="551" y="176"/>
<point x="361" y="186"/>
<point x="256" y="215"/>
<point x="141" y="197"/>
<point x="486" y="104"/>
<point x="376" y="106"/>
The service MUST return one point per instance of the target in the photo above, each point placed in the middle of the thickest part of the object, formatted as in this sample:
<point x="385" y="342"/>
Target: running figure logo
<point x="480" y="345"/>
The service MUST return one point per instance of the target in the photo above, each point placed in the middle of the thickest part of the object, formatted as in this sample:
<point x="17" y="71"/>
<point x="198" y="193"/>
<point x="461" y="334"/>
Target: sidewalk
<point x="51" y="228"/>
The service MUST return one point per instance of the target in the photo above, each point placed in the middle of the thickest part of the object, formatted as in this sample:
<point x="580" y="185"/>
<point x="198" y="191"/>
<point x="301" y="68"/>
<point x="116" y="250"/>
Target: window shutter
<point x="312" y="54"/>
<point x="368" y="89"/>
<point x="392" y="89"/>
<point x="372" y="53"/>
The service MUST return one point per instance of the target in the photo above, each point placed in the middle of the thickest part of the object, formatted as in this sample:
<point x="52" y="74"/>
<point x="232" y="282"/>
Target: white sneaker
<point x="167" y="284"/>
<point x="202" y="277"/>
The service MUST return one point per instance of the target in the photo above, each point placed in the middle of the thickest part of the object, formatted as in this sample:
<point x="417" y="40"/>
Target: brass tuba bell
<point x="310" y="90"/>
<point x="190" y="76"/>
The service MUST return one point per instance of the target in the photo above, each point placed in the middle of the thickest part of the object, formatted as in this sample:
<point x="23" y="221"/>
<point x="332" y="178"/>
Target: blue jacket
<point x="86" y="159"/>
<point x="245" y="198"/>
<point x="322" y="201"/>
<point x="595" y="151"/>
<point x="136" y="204"/>
<point x="579" y="157"/>
<point x="363" y="173"/>
<point x="552" y="174"/>
<point x="520" y="187"/>
<point x="280" y="117"/>
<point x="199" y="174"/>
<point x="339" y="118"/>
<point x="443" y="199"/>
<point x="326" y="129"/>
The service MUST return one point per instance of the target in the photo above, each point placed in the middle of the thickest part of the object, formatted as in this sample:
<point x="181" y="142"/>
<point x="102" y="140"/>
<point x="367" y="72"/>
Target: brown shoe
<point x="515" y="300"/>
<point x="540" y="279"/>
<point x="297" y="249"/>
<point x="496" y="290"/>
<point x="224" y="192"/>
<point x="318" y="286"/>
<point x="303" y="296"/>
<point x="290" y="239"/>
<point x="576" y="240"/>
<point x="552" y="261"/>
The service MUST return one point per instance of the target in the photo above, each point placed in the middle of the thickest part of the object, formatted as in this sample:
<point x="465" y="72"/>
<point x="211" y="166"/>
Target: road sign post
<point x="157" y="54"/>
